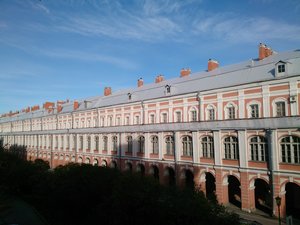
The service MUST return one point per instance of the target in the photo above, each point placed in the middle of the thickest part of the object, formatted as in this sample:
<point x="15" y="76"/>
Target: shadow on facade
<point x="234" y="191"/>
<point x="292" y="200"/>
<point x="210" y="185"/>
<point x="263" y="197"/>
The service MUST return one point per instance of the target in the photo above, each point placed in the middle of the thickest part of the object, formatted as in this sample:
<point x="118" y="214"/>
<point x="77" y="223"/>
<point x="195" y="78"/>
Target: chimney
<point x="264" y="51"/>
<point x="159" y="78"/>
<point x="212" y="64"/>
<point x="27" y="109"/>
<point x="48" y="105"/>
<point x="59" y="108"/>
<point x="34" y="108"/>
<point x="140" y="82"/>
<point x="76" y="105"/>
<point x="107" y="91"/>
<point x="185" y="72"/>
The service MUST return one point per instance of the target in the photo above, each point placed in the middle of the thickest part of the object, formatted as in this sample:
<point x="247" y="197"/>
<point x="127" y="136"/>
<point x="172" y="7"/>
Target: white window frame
<point x="274" y="105"/>
<point x="207" y="110"/>
<point x="191" y="116"/>
<point x="151" y="118"/>
<point x="176" y="116"/>
<point x="226" y="111"/>
<point x="162" y="117"/>
<point x="249" y="110"/>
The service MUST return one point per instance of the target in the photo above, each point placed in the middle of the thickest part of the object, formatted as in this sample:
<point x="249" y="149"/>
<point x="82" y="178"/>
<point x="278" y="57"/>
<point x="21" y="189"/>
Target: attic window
<point x="281" y="68"/>
<point x="168" y="89"/>
<point x="129" y="96"/>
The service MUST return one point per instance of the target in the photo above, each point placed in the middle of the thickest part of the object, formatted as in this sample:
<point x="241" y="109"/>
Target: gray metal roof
<point x="249" y="71"/>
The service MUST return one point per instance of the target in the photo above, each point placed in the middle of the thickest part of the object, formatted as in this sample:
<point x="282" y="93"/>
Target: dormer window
<point x="129" y="96"/>
<point x="281" y="68"/>
<point x="168" y="89"/>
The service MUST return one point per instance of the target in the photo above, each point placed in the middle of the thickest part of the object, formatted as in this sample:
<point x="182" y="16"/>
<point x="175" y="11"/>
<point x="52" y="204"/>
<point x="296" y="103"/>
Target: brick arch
<point x="283" y="185"/>
<point x="230" y="174"/>
<point x="252" y="180"/>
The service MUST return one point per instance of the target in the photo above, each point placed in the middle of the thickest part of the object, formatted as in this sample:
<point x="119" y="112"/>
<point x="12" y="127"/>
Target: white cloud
<point x="241" y="29"/>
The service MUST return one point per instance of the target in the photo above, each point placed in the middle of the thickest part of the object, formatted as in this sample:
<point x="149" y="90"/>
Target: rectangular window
<point x="178" y="117"/>
<point x="194" y="115"/>
<point x="280" y="109"/>
<point x="152" y="118"/>
<point x="254" y="111"/>
<point x="164" y="117"/>
<point x="211" y="114"/>
<point x="231" y="113"/>
<point x="137" y="120"/>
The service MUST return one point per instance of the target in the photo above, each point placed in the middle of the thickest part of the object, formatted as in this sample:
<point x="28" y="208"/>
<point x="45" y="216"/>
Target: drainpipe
<point x="175" y="158"/>
<point x="143" y="111"/>
<point x="271" y="166"/>
<point x="199" y="106"/>
<point x="120" y="151"/>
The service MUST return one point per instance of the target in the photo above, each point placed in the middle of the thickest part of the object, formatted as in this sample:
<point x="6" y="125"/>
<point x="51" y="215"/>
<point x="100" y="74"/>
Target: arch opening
<point x="210" y="186"/>
<point x="292" y="200"/>
<point x="189" y="179"/>
<point x="234" y="191"/>
<point x="263" y="197"/>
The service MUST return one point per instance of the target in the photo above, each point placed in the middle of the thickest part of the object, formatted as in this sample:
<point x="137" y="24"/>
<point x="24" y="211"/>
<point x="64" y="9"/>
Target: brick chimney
<point x="264" y="51"/>
<point x="212" y="64"/>
<point x="107" y="91"/>
<point x="76" y="105"/>
<point x="159" y="78"/>
<point x="34" y="108"/>
<point x="140" y="82"/>
<point x="59" y="108"/>
<point x="48" y="105"/>
<point x="185" y="72"/>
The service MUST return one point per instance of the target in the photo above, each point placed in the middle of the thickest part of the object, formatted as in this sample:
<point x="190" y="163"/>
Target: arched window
<point x="207" y="144"/>
<point x="129" y="144"/>
<point x="141" y="143"/>
<point x="231" y="147"/>
<point x="154" y="144"/>
<point x="290" y="149"/>
<point x="259" y="148"/>
<point x="114" y="143"/>
<point x="88" y="142"/>
<point x="169" y="145"/>
<point x="187" y="146"/>
<point x="105" y="143"/>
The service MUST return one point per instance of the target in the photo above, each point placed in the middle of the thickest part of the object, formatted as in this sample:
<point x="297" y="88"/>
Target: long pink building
<point x="231" y="130"/>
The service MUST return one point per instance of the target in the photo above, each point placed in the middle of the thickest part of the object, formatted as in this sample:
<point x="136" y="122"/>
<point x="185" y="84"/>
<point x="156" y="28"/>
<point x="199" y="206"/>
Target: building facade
<point x="232" y="130"/>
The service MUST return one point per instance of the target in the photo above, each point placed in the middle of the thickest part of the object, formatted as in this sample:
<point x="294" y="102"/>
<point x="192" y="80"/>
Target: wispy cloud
<point x="40" y="7"/>
<point x="133" y="27"/>
<point x="240" y="29"/>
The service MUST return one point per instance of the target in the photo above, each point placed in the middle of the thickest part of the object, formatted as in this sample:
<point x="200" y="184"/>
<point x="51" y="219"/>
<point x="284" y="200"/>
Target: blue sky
<point x="54" y="50"/>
